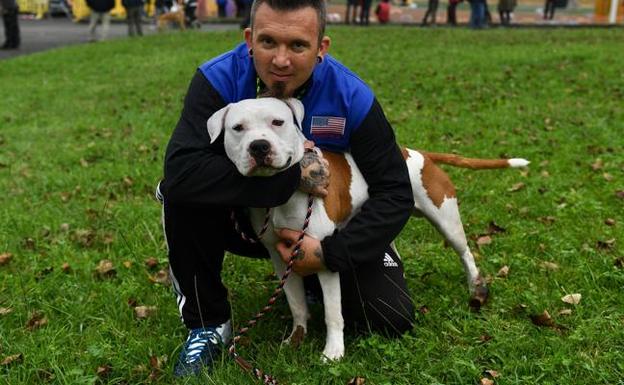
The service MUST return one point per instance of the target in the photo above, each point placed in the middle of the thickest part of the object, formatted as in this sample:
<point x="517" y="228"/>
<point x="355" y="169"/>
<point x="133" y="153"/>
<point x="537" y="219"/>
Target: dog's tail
<point x="476" y="164"/>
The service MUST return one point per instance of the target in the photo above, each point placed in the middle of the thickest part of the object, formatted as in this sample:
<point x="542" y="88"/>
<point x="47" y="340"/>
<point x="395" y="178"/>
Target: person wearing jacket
<point x="10" y="11"/>
<point x="100" y="12"/>
<point x="134" y="9"/>
<point x="285" y="53"/>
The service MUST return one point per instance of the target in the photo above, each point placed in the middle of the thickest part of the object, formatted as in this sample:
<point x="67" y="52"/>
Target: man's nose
<point x="282" y="57"/>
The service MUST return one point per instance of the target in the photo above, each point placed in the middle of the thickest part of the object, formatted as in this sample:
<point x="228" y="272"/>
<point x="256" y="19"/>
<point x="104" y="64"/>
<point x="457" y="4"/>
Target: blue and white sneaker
<point x="202" y="347"/>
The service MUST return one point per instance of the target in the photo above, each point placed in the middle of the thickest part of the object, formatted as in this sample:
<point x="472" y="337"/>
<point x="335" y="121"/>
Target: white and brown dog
<point x="262" y="138"/>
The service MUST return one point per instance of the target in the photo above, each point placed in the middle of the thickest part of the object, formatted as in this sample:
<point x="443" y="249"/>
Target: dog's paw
<point x="296" y="337"/>
<point x="333" y="353"/>
<point x="479" y="295"/>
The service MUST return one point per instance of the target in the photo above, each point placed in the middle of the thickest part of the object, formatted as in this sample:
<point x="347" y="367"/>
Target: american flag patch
<point x="327" y="126"/>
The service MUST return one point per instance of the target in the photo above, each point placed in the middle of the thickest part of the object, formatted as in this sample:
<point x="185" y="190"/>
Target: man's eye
<point x="238" y="128"/>
<point x="277" y="122"/>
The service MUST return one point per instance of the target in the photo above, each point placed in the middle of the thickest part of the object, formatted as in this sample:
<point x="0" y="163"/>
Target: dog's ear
<point x="297" y="108"/>
<point x="216" y="123"/>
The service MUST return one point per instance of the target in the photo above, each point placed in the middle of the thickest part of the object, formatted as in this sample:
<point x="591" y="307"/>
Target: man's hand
<point x="310" y="257"/>
<point x="314" y="172"/>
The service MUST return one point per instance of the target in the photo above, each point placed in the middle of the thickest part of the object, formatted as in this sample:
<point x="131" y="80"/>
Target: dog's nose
<point x="259" y="148"/>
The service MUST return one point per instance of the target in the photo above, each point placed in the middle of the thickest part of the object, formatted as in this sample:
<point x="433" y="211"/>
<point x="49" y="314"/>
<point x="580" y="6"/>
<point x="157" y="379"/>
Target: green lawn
<point x="82" y="137"/>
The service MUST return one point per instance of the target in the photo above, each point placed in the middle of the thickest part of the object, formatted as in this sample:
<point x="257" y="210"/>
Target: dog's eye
<point x="238" y="128"/>
<point x="277" y="122"/>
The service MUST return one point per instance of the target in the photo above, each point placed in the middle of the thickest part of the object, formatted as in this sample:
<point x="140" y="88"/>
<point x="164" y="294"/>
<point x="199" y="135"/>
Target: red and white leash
<point x="267" y="379"/>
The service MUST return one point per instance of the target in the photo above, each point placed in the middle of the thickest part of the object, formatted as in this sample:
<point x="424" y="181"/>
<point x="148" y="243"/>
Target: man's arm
<point x="199" y="173"/>
<point x="390" y="203"/>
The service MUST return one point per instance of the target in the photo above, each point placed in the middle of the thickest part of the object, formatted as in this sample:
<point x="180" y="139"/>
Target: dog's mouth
<point x="262" y="168"/>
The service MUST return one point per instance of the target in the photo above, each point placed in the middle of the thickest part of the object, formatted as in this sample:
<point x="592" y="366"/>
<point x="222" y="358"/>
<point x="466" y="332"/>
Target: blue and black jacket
<point x="198" y="173"/>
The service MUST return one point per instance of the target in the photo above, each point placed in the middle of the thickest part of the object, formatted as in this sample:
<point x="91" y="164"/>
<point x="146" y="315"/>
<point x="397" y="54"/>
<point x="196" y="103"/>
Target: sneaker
<point x="201" y="348"/>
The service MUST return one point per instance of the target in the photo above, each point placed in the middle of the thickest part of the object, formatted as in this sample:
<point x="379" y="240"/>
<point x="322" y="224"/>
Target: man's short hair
<point x="293" y="5"/>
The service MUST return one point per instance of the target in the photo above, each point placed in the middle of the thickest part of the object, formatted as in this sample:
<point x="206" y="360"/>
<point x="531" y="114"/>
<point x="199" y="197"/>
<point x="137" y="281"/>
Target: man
<point x="285" y="53"/>
<point x="100" y="11"/>
<point x="10" y="11"/>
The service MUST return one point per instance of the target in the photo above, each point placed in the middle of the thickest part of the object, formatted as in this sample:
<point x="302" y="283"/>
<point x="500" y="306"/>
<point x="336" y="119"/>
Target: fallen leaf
<point x="357" y="381"/>
<point x="64" y="227"/>
<point x="619" y="262"/>
<point x="493" y="228"/>
<point x="597" y="165"/>
<point x="37" y="320"/>
<point x="608" y="177"/>
<point x="620" y="194"/>
<point x="151" y="262"/>
<point x="128" y="181"/>
<point x="84" y="163"/>
<point x="549" y="220"/>
<point x="65" y="268"/>
<point x="132" y="302"/>
<point x="484" y="240"/>
<point x="161" y="277"/>
<point x="491" y="373"/>
<point x="105" y="269"/>
<point x="103" y="371"/>
<point x="565" y="312"/>
<point x="127" y="264"/>
<point x="15" y="358"/>
<point x="485" y="338"/>
<point x="423" y="309"/>
<point x="157" y="362"/>
<point x="549" y="266"/>
<point x="545" y="174"/>
<point x="5" y="258"/>
<point x="543" y="319"/>
<point x="606" y="245"/>
<point x="572" y="299"/>
<point x="610" y="222"/>
<point x="5" y="310"/>
<point x="517" y="187"/>
<point x="503" y="272"/>
<point x="143" y="312"/>
<point x="486" y="381"/>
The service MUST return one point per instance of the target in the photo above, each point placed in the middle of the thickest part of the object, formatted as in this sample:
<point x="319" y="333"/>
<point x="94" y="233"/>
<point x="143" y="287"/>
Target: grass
<point x="83" y="132"/>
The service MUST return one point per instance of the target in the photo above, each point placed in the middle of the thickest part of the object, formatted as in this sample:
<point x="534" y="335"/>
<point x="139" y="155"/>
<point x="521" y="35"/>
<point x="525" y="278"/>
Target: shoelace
<point x="196" y="345"/>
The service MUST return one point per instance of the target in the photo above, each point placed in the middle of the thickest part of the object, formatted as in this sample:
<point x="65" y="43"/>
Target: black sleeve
<point x="390" y="202"/>
<point x="198" y="173"/>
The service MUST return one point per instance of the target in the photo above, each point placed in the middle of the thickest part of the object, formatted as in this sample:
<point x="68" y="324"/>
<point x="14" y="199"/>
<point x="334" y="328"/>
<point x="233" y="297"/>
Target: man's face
<point x="285" y="47"/>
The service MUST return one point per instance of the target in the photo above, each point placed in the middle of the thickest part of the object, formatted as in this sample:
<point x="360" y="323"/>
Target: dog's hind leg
<point x="334" y="343"/>
<point x="435" y="198"/>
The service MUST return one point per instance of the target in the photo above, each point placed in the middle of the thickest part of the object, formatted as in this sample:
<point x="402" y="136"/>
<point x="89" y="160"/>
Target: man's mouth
<point x="281" y="77"/>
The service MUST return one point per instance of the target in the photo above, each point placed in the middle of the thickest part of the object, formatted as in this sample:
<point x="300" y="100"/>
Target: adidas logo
<point x="389" y="262"/>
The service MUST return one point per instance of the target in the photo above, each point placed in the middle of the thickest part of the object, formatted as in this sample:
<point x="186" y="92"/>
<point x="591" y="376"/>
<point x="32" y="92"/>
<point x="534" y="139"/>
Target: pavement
<point x="53" y="32"/>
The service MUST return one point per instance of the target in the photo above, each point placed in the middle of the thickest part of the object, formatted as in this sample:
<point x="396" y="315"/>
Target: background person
<point x="432" y="10"/>
<point x="10" y="12"/>
<point x="100" y="12"/>
<point x="505" y="8"/>
<point x="285" y="53"/>
<point x="134" y="10"/>
<point x="383" y="11"/>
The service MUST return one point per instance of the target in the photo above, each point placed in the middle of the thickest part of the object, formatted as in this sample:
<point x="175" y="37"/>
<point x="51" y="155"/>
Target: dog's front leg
<point x="334" y="343"/>
<point x="295" y="294"/>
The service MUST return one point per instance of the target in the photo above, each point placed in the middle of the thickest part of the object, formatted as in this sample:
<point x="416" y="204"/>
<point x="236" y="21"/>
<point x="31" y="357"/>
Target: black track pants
<point x="374" y="295"/>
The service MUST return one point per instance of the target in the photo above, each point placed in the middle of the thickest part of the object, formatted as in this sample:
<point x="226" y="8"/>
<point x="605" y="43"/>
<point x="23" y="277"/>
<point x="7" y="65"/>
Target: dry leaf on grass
<point x="5" y="258"/>
<point x="105" y="269"/>
<point x="103" y="371"/>
<point x="486" y="381"/>
<point x="65" y="268"/>
<point x="543" y="319"/>
<point x="151" y="262"/>
<point x="143" y="312"/>
<point x="503" y="272"/>
<point x="484" y="240"/>
<point x="493" y="228"/>
<point x="620" y="194"/>
<point x="37" y="320"/>
<point x="610" y="222"/>
<point x="597" y="165"/>
<point x="357" y="381"/>
<point x="13" y="359"/>
<point x="161" y="277"/>
<point x="565" y="312"/>
<point x="549" y="266"/>
<point x="517" y="187"/>
<point x="5" y="310"/>
<point x="572" y="299"/>
<point x="606" y="245"/>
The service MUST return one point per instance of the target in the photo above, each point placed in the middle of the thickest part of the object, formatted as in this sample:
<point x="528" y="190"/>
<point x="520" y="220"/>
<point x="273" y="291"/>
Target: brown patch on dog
<point x="338" y="200"/>
<point x="435" y="181"/>
<point x="297" y="337"/>
<point x="405" y="153"/>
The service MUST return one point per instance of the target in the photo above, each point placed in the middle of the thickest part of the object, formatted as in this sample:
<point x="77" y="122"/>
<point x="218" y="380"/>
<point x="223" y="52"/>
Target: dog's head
<point x="261" y="136"/>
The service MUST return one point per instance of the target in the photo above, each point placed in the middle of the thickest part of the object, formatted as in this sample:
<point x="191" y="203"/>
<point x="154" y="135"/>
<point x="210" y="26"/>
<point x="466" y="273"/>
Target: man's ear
<point x="216" y="123"/>
<point x="296" y="107"/>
